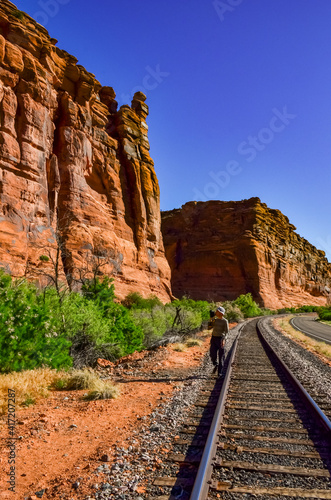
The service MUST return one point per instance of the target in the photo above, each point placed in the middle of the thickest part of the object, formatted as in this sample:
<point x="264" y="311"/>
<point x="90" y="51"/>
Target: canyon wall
<point x="76" y="178"/>
<point x="218" y="250"/>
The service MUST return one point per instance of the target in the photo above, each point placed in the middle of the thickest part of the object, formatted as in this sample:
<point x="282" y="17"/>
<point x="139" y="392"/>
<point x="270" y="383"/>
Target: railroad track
<point x="256" y="433"/>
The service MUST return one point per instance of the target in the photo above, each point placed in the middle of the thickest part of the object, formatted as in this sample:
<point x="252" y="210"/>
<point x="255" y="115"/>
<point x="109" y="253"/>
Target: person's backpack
<point x="212" y="320"/>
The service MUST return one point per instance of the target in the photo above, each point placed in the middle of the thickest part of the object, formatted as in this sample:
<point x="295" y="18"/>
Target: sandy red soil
<point x="63" y="437"/>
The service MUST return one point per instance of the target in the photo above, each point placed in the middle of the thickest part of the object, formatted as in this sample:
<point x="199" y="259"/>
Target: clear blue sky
<point x="239" y="93"/>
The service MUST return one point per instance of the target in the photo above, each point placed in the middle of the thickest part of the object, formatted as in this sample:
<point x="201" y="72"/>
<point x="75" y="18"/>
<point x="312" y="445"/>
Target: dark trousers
<point x="216" y="349"/>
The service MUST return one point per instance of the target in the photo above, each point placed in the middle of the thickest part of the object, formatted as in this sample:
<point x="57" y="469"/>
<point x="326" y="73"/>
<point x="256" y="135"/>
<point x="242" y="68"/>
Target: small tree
<point x="122" y="331"/>
<point x="50" y="272"/>
<point x="29" y="335"/>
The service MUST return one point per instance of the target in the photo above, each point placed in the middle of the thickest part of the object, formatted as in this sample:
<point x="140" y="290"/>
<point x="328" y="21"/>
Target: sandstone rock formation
<point x="75" y="172"/>
<point x="218" y="250"/>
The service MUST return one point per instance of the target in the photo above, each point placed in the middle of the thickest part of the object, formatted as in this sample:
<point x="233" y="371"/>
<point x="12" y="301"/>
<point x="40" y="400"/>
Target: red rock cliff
<point x="218" y="250"/>
<point x="75" y="172"/>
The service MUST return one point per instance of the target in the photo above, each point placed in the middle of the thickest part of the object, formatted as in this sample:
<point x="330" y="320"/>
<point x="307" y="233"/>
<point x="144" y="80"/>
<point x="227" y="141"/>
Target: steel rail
<point x="309" y="400"/>
<point x="201" y="486"/>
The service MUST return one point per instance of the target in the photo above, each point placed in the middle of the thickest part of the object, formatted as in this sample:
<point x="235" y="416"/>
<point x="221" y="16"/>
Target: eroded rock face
<point x="218" y="250"/>
<point x="75" y="172"/>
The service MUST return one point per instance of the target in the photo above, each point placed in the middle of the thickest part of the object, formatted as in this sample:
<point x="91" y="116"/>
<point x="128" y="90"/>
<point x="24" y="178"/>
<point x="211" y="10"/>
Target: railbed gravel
<point x="247" y="478"/>
<point x="134" y="464"/>
<point x="263" y="458"/>
<point x="313" y="374"/>
<point x="269" y="444"/>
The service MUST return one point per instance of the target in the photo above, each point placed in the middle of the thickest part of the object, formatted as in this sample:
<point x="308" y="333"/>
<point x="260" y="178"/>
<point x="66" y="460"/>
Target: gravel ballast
<point x="149" y="448"/>
<point x="311" y="372"/>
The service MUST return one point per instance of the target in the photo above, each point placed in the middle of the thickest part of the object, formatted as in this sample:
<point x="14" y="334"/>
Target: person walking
<point x="217" y="341"/>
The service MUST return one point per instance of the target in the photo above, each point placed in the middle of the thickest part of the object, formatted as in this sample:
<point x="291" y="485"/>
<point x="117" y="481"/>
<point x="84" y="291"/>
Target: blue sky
<point x="239" y="93"/>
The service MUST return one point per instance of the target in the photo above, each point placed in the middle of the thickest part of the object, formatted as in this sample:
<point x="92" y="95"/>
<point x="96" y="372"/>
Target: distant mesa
<point x="218" y="250"/>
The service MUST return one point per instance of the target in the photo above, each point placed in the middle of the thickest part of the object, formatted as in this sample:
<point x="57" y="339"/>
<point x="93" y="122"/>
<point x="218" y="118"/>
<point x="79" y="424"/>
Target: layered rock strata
<point x="76" y="177"/>
<point x="218" y="250"/>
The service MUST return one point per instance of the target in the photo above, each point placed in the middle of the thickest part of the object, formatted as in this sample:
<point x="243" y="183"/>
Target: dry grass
<point x="87" y="379"/>
<point x="32" y="385"/>
<point x="179" y="347"/>
<point x="192" y="342"/>
<point x="205" y="333"/>
<point x="316" y="346"/>
<point x="29" y="386"/>
<point x="76" y="380"/>
<point x="102" y="389"/>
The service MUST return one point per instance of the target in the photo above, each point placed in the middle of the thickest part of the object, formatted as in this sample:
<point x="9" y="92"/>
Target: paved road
<point x="314" y="329"/>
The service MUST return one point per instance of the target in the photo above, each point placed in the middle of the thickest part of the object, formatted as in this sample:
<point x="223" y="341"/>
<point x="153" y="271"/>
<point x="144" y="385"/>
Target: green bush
<point x="154" y="323"/>
<point x="232" y="311"/>
<point x="29" y="335"/>
<point x="201" y="307"/>
<point x="18" y="14"/>
<point x="156" y="320"/>
<point x="307" y="309"/>
<point x="325" y="313"/>
<point x="268" y="312"/>
<point x="122" y="332"/>
<point x="135" y="301"/>
<point x="37" y="328"/>
<point x="248" y="306"/>
<point x="285" y="310"/>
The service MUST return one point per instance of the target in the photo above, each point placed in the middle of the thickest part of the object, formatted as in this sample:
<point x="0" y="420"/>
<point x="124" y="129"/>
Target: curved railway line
<point x="254" y="433"/>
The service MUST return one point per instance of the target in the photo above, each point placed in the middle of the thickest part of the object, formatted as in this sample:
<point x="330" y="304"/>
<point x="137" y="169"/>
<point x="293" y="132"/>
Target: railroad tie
<point x="271" y="468"/>
<point x="288" y="492"/>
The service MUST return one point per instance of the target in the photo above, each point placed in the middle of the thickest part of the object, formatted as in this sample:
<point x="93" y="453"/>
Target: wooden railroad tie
<point x="272" y="451"/>
<point x="271" y="468"/>
<point x="288" y="492"/>
<point x="173" y="481"/>
<point x="261" y="408"/>
<point x="304" y="442"/>
<point x="266" y="419"/>
<point x="262" y="428"/>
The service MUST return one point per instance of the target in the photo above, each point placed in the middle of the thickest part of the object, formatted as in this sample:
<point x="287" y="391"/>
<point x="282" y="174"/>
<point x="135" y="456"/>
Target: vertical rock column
<point x="141" y="193"/>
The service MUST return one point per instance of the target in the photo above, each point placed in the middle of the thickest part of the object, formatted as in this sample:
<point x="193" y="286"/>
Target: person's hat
<point x="221" y="310"/>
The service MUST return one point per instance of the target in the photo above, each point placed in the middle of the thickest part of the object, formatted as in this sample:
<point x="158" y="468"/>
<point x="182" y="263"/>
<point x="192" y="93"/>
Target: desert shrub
<point x="179" y="347"/>
<point x="77" y="380"/>
<point x="267" y="312"/>
<point x="192" y="342"/>
<point x="232" y="311"/>
<point x="85" y="351"/>
<point x="102" y="389"/>
<point x="84" y="317"/>
<point x="166" y="323"/>
<point x="200" y="307"/>
<point x="188" y="320"/>
<point x="153" y="323"/>
<point x="29" y="336"/>
<point x="247" y="305"/>
<point x="122" y="332"/>
<point x="307" y="309"/>
<point x="18" y="14"/>
<point x="286" y="310"/>
<point x="136" y="301"/>
<point x="86" y="380"/>
<point x="325" y="313"/>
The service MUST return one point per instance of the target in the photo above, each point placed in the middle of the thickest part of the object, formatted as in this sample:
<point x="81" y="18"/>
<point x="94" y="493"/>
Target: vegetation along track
<point x="254" y="433"/>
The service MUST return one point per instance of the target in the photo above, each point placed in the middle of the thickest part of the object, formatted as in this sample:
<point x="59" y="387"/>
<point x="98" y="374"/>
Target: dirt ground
<point x="64" y="437"/>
